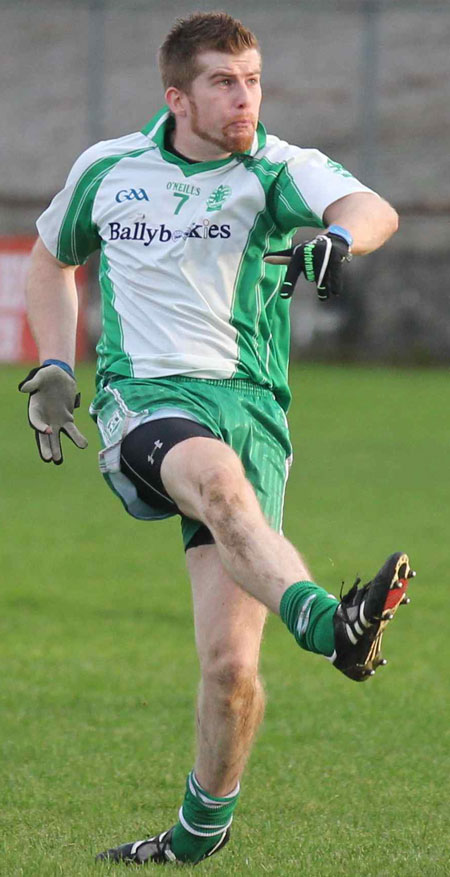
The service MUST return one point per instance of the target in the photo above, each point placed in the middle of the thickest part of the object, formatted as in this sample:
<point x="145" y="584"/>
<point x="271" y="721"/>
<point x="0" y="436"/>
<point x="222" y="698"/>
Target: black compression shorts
<point x="141" y="456"/>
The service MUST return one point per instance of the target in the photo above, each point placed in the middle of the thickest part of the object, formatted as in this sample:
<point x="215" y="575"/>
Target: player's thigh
<point x="229" y="623"/>
<point x="191" y="469"/>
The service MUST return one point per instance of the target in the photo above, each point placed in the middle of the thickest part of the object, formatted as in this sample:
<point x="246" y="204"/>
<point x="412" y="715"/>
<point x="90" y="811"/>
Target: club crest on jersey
<point x="337" y="168"/>
<point x="146" y="234"/>
<point x="217" y="198"/>
<point x="132" y="195"/>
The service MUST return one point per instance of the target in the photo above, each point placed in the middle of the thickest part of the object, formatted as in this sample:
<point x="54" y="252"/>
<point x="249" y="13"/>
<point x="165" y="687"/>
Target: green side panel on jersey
<point x="110" y="348"/>
<point x="78" y="235"/>
<point x="261" y="134"/>
<point x="250" y="297"/>
<point x="264" y="330"/>
<point x="290" y="207"/>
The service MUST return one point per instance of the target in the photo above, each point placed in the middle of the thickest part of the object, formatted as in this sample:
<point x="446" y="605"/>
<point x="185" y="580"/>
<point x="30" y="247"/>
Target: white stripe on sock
<point x="200" y="788"/>
<point x="303" y="618"/>
<point x="217" y="829"/>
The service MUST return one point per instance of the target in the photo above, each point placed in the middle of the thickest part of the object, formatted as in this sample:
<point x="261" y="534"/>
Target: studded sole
<point x="396" y="595"/>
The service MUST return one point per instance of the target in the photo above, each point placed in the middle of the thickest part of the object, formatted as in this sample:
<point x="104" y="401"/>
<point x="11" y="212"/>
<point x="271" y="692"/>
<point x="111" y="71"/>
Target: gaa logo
<point x="132" y="195"/>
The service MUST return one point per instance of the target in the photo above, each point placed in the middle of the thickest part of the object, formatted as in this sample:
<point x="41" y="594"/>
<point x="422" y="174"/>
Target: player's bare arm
<point x="52" y="312"/>
<point x="52" y="305"/>
<point x="370" y="220"/>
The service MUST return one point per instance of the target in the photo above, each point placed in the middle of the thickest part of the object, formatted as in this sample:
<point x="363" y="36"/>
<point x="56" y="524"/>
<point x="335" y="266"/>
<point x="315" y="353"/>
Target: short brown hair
<point x="200" y="32"/>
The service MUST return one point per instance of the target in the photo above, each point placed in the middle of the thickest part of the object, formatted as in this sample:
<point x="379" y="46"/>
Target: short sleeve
<point x="307" y="184"/>
<point x="66" y="226"/>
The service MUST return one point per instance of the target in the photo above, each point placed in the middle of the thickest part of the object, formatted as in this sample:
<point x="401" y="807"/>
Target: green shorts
<point x="243" y="415"/>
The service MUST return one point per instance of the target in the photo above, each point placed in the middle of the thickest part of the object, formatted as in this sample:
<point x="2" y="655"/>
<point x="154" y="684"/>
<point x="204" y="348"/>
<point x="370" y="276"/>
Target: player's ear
<point x="176" y="100"/>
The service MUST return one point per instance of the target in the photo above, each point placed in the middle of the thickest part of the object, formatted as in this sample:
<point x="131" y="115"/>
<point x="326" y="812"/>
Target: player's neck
<point x="195" y="148"/>
<point x="169" y="147"/>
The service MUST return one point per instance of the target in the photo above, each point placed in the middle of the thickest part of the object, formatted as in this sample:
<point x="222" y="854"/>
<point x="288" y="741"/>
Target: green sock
<point x="203" y="819"/>
<point x="308" y="611"/>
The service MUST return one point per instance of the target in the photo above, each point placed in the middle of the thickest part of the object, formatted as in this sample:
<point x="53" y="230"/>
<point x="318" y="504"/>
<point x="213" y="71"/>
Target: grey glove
<point x="53" y="397"/>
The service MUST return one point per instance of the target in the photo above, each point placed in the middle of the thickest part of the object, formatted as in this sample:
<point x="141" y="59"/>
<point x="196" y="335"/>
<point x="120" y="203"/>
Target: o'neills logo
<point x="146" y="234"/>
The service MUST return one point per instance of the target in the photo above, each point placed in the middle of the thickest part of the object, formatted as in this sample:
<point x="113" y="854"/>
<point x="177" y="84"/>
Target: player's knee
<point x="222" y="490"/>
<point x="234" y="680"/>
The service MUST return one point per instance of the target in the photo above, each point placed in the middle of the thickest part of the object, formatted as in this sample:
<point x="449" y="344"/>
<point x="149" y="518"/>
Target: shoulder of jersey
<point x="277" y="150"/>
<point x="108" y="148"/>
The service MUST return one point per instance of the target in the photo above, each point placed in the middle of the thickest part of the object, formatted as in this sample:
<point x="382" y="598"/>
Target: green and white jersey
<point x="183" y="283"/>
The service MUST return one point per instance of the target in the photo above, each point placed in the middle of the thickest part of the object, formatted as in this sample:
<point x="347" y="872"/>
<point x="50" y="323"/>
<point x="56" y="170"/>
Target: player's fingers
<point x="324" y="286"/>
<point x="335" y="277"/>
<point x="280" y="257"/>
<point x="43" y="443"/>
<point x="324" y="257"/>
<point x="75" y="435"/>
<point x="30" y="386"/>
<point x="295" y="268"/>
<point x="55" y="447"/>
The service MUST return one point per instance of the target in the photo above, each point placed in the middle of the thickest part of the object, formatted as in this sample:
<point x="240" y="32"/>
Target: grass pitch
<point x="99" y="670"/>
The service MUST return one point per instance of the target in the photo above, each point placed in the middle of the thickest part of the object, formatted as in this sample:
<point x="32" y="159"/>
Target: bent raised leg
<point x="207" y="481"/>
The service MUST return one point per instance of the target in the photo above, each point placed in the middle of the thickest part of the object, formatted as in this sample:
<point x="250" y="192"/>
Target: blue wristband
<point x="64" y="365"/>
<point x="342" y="232"/>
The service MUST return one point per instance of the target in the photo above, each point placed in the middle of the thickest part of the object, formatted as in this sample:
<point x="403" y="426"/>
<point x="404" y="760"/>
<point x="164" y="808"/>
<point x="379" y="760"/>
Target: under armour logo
<point x="158" y="445"/>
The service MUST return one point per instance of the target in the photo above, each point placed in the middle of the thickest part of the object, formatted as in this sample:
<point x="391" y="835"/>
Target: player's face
<point x="224" y="100"/>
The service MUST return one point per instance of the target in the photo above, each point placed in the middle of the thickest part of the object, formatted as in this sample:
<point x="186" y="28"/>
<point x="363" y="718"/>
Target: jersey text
<point x="140" y="231"/>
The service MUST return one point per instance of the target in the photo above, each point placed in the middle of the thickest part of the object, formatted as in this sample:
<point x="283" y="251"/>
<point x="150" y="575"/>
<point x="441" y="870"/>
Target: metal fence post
<point x="96" y="71"/>
<point x="368" y="98"/>
<point x="95" y="110"/>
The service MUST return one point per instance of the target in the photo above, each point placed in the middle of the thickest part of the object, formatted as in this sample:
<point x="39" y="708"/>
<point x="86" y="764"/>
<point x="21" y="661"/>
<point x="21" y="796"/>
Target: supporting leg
<point x="228" y="629"/>
<point x="228" y="626"/>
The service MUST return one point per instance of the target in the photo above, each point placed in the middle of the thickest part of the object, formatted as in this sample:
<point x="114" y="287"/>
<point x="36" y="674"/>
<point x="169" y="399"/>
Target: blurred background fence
<point x="366" y="81"/>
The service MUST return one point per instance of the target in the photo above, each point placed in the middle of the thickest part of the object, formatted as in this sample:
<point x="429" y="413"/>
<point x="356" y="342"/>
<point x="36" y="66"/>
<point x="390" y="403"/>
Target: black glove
<point x="53" y="397"/>
<point x="320" y="260"/>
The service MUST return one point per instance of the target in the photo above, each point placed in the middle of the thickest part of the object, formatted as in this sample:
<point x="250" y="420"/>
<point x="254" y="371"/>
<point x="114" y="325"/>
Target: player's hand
<point x="53" y="397"/>
<point x="320" y="260"/>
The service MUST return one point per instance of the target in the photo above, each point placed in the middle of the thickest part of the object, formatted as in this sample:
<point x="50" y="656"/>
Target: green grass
<point x="99" y="670"/>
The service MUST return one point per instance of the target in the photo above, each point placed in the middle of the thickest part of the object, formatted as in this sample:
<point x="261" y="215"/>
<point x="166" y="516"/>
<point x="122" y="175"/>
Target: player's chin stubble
<point x="228" y="142"/>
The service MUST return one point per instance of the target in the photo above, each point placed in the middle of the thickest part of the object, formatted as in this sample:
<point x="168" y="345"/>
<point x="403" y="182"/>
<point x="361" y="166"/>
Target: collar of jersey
<point x="155" y="130"/>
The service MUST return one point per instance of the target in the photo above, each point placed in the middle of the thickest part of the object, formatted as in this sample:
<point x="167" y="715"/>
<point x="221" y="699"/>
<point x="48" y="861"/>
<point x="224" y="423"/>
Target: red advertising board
<point x="16" y="342"/>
